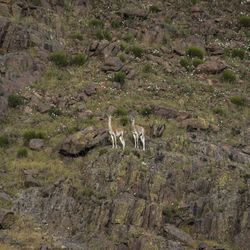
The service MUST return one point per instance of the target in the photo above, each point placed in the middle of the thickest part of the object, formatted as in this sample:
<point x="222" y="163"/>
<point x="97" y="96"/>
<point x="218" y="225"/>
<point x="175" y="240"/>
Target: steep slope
<point x="181" y="68"/>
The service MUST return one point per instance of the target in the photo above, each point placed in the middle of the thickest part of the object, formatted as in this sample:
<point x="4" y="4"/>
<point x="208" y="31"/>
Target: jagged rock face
<point x="123" y="197"/>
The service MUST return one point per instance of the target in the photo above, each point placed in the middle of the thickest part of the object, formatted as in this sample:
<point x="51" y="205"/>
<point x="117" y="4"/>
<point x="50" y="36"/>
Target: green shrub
<point x="122" y="57"/>
<point x="228" y="76"/>
<point x="124" y="120"/>
<point x="4" y="141"/>
<point x="239" y="100"/>
<point x="196" y="62"/>
<point x="103" y="34"/>
<point x="22" y="153"/>
<point x="77" y="36"/>
<point x="147" y="111"/>
<point x="120" y="112"/>
<point x="119" y="77"/>
<point x="54" y="112"/>
<point x="115" y="24"/>
<point x="195" y="52"/>
<point x="124" y="46"/>
<point x="244" y="21"/>
<point x="154" y="9"/>
<point x="128" y="37"/>
<point x="85" y="192"/>
<point x="35" y="2"/>
<point x="147" y="68"/>
<point x="78" y="60"/>
<point x="62" y="59"/>
<point x="15" y="100"/>
<point x="95" y="23"/>
<point x="31" y="134"/>
<point x="136" y="50"/>
<point x="240" y="53"/>
<point x="184" y="62"/>
<point x="219" y="111"/>
<point x="59" y="58"/>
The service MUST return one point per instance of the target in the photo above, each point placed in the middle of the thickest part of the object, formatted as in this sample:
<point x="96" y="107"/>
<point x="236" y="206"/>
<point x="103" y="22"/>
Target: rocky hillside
<point x="181" y="68"/>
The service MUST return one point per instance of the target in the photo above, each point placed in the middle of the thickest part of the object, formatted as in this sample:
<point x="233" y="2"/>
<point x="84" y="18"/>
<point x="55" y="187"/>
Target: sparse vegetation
<point x="15" y="100"/>
<point x="77" y="36"/>
<point x="54" y="112"/>
<point x="22" y="153"/>
<point x="229" y="76"/>
<point x="147" y="111"/>
<point x="61" y="59"/>
<point x="147" y="68"/>
<point x="78" y="59"/>
<point x="124" y="121"/>
<point x="95" y="23"/>
<point x="35" y="2"/>
<point x="196" y="62"/>
<point x="85" y="192"/>
<point x="120" y="112"/>
<point x="154" y="8"/>
<point x="184" y="62"/>
<point x="136" y="50"/>
<point x="219" y="111"/>
<point x="239" y="101"/>
<point x="103" y="34"/>
<point x="122" y="57"/>
<point x="244" y="21"/>
<point x="128" y="37"/>
<point x="195" y="52"/>
<point x="119" y="77"/>
<point x="238" y="53"/>
<point x="4" y="141"/>
<point x="115" y="24"/>
<point x="31" y="134"/>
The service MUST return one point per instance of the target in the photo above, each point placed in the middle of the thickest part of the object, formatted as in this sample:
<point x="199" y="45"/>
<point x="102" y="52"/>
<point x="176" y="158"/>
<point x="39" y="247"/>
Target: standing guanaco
<point x="138" y="133"/>
<point x="116" y="133"/>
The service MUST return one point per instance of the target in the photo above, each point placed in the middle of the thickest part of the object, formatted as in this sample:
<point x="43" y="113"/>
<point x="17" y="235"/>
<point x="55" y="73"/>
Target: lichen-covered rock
<point x="7" y="219"/>
<point x="83" y="141"/>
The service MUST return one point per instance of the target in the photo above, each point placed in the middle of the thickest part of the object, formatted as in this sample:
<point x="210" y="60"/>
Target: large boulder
<point x="112" y="64"/>
<point x="212" y="66"/>
<point x="82" y="141"/>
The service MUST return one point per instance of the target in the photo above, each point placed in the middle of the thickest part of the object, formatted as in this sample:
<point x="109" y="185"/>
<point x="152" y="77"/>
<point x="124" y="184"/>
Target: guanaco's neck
<point x="133" y="124"/>
<point x="110" y="125"/>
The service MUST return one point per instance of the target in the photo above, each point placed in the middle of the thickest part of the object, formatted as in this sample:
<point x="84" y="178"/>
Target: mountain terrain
<point x="180" y="68"/>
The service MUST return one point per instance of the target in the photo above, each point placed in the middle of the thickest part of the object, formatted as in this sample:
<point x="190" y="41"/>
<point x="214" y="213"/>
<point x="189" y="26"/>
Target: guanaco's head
<point x="132" y="119"/>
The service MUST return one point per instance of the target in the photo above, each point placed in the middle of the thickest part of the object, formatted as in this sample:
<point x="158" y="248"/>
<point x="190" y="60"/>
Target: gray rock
<point x="90" y="90"/>
<point x="7" y="219"/>
<point x="36" y="144"/>
<point x="83" y="141"/>
<point x="30" y="181"/>
<point x="213" y="66"/>
<point x="112" y="64"/>
<point x="178" y="234"/>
